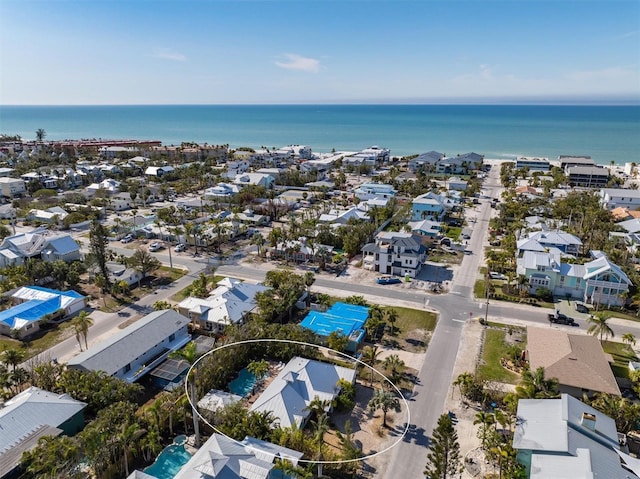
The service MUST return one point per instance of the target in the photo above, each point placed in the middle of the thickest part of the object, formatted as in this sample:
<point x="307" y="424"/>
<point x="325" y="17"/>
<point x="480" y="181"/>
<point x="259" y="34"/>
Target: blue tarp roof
<point x="29" y="311"/>
<point x="341" y="317"/>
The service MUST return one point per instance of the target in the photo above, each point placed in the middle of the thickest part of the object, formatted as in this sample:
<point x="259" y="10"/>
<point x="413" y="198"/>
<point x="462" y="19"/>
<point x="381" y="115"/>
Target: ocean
<point x="606" y="133"/>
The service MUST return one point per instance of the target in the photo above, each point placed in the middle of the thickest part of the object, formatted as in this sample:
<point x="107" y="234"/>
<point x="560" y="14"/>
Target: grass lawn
<point x="495" y="347"/>
<point x="409" y="329"/>
<point x="42" y="341"/>
<point x="453" y="232"/>
<point x="621" y="354"/>
<point x="165" y="272"/>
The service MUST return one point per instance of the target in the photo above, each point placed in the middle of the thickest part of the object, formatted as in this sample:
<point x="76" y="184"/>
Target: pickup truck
<point x="559" y="318"/>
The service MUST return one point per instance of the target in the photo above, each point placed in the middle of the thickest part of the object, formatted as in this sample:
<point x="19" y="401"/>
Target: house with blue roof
<point x="38" y="243"/>
<point x="342" y="318"/>
<point x="36" y="304"/>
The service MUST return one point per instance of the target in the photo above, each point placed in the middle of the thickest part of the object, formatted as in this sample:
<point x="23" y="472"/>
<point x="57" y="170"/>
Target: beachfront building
<point x="30" y="415"/>
<point x="343" y="319"/>
<point x="567" y="162"/>
<point x="533" y="164"/>
<point x="588" y="176"/>
<point x="460" y="164"/>
<point x="230" y="303"/>
<point x="399" y="254"/>
<point x="373" y="156"/>
<point x="565" y="438"/>
<point x="302" y="380"/>
<point x="425" y="161"/>
<point x="369" y="191"/>
<point x="598" y="281"/>
<point x="137" y="349"/>
<point x="224" y="458"/>
<point x="612" y="198"/>
<point x="12" y="187"/>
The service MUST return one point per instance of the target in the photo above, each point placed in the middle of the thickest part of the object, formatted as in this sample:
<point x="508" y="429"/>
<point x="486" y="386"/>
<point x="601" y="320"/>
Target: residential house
<point x="296" y="151"/>
<point x="38" y="243"/>
<point x="427" y="228"/>
<point x="119" y="273"/>
<point x="288" y="396"/>
<point x="596" y="282"/>
<point x="230" y="303"/>
<point x="30" y="415"/>
<point x="224" y="458"/>
<point x="255" y="179"/>
<point x="533" y="164"/>
<point x="431" y="206"/>
<point x="221" y="191"/>
<point x="235" y="168"/>
<point x="456" y="184"/>
<point x="588" y="176"/>
<point x="341" y="318"/>
<point x="12" y="187"/>
<point x="6" y="172"/>
<point x="621" y="213"/>
<point x="425" y="161"/>
<point x="342" y="217"/>
<point x="565" y="438"/>
<point x="577" y="361"/>
<point x="40" y="178"/>
<point x="137" y="349"/>
<point x="322" y="165"/>
<point x="36" y="304"/>
<point x="566" y="243"/>
<point x="400" y="254"/>
<point x="612" y="198"/>
<point x="528" y="191"/>
<point x="460" y="164"/>
<point x="109" y="185"/>
<point x="159" y="171"/>
<point x="54" y="215"/>
<point x="369" y="191"/>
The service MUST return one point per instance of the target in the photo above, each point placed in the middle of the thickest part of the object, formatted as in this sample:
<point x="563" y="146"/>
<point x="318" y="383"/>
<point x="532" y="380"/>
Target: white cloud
<point x="604" y="74"/>
<point x="166" y="54"/>
<point x="297" y="62"/>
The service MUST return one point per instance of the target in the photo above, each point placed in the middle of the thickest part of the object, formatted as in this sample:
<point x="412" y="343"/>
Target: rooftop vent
<point x="588" y="421"/>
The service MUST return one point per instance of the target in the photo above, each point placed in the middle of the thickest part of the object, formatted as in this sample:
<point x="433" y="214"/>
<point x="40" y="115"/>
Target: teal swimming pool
<point x="243" y="384"/>
<point x="170" y="460"/>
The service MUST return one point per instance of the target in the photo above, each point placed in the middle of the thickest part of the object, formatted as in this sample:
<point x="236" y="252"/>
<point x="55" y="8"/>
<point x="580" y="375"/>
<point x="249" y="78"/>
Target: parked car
<point x="388" y="280"/>
<point x="496" y="275"/>
<point x="127" y="239"/>
<point x="560" y="318"/>
<point x="155" y="246"/>
<point x="180" y="247"/>
<point x="581" y="308"/>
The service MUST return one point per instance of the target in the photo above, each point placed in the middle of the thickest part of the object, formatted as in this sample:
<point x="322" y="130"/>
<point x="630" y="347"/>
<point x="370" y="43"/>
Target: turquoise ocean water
<point x="606" y="133"/>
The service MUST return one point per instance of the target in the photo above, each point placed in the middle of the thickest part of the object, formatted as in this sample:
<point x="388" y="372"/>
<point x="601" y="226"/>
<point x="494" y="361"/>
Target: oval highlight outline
<point x="317" y="346"/>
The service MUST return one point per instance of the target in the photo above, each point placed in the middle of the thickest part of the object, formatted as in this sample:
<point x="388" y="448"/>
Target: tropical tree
<point x="258" y="368"/>
<point x="534" y="385"/>
<point x="384" y="400"/>
<point x="395" y="366"/>
<point x="321" y="426"/>
<point x="258" y="240"/>
<point x="370" y="357"/>
<point x="337" y="341"/>
<point x="98" y="242"/>
<point x="443" y="458"/>
<point x="190" y="354"/>
<point x="599" y="326"/>
<point x="81" y="324"/>
<point x="485" y="420"/>
<point x="40" y="134"/>
<point x="309" y="279"/>
<point x="629" y="338"/>
<point x="144" y="262"/>
<point x="13" y="357"/>
<point x="391" y="315"/>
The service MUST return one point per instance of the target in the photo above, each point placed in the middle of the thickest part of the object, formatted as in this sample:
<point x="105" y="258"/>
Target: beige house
<point x="12" y="187"/>
<point x="576" y="360"/>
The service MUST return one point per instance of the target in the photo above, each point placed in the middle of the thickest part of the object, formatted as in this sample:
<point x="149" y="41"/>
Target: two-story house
<point x="611" y="198"/>
<point x="369" y="191"/>
<point x="431" y="206"/>
<point x="400" y="254"/>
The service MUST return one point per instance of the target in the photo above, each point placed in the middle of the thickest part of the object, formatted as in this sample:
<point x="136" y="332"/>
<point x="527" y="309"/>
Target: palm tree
<point x="384" y="400"/>
<point x="391" y="315"/>
<point x="485" y="420"/>
<point x="40" y="134"/>
<point x="190" y="354"/>
<point x="258" y="368"/>
<point x="370" y="357"/>
<point x="81" y="324"/>
<point x="534" y="385"/>
<point x="629" y="338"/>
<point x="317" y="407"/>
<point x="321" y="426"/>
<point x="13" y="357"/>
<point x="258" y="240"/>
<point x="395" y="366"/>
<point x="599" y="326"/>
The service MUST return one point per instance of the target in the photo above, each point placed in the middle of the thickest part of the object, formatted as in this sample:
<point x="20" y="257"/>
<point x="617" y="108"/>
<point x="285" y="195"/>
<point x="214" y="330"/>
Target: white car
<point x="155" y="246"/>
<point x="180" y="247"/>
<point x="127" y="239"/>
<point x="496" y="275"/>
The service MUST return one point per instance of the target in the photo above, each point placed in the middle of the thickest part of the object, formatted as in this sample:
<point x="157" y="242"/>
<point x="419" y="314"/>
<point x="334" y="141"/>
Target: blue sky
<point x="318" y="51"/>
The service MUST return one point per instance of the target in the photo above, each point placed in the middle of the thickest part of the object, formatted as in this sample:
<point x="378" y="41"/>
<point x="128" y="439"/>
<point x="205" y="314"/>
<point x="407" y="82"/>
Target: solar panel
<point x="170" y="369"/>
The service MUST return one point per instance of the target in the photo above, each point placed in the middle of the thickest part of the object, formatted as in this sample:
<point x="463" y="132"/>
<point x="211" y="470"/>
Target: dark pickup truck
<point x="559" y="318"/>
